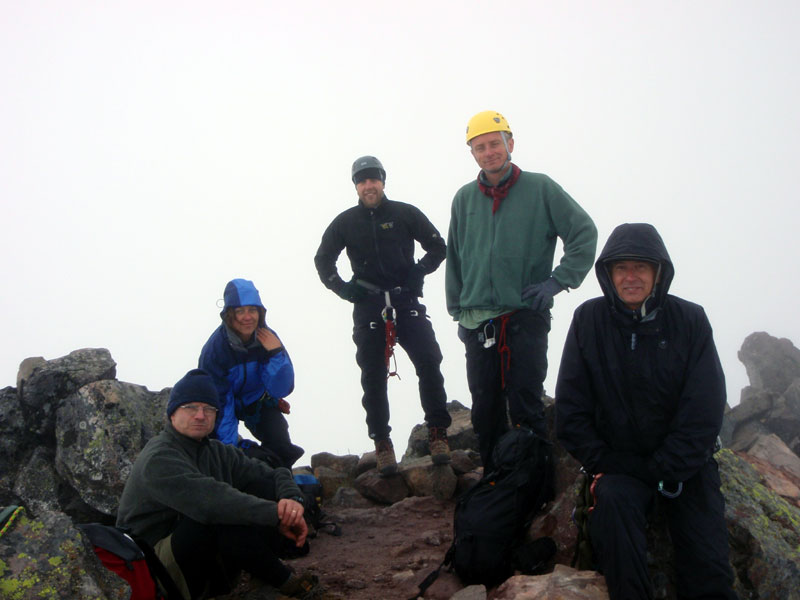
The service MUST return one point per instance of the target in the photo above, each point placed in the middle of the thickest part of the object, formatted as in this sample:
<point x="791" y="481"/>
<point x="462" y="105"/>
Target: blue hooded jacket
<point x="244" y="372"/>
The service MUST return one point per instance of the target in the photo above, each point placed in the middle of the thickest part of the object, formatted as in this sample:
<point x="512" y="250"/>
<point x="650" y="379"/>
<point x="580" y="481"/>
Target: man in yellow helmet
<point x="500" y="279"/>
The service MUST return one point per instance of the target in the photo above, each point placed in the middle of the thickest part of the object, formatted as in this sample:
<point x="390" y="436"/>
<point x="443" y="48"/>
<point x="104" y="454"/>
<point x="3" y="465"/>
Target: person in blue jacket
<point x="253" y="373"/>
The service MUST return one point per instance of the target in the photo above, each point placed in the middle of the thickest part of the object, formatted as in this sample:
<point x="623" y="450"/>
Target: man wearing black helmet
<point x="379" y="236"/>
<point x="639" y="402"/>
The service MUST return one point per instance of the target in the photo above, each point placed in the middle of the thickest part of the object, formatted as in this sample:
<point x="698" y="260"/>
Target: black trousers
<point x="696" y="522"/>
<point x="524" y="374"/>
<point x="210" y="555"/>
<point x="415" y="335"/>
<point x="272" y="430"/>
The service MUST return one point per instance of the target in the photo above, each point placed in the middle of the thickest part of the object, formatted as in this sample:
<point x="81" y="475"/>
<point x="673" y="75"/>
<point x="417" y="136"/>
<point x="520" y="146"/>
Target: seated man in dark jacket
<point x="639" y="402"/>
<point x="207" y="509"/>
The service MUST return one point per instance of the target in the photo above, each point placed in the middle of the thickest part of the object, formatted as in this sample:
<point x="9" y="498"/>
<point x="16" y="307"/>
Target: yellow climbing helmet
<point x="486" y="122"/>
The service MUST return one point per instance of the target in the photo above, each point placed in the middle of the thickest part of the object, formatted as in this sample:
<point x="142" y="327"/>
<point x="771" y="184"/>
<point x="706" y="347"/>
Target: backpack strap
<point x="434" y="575"/>
<point x="158" y="570"/>
<point x="583" y="557"/>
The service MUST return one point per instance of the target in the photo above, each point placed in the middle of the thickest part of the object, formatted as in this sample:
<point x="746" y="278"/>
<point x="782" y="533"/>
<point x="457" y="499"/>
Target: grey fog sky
<point x="152" y="151"/>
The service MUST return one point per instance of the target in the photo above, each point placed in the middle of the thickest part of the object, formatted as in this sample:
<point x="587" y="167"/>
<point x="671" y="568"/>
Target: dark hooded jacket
<point x="640" y="392"/>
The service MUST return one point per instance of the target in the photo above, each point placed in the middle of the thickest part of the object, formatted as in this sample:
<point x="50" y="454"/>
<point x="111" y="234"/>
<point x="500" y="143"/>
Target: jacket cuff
<point x="285" y="486"/>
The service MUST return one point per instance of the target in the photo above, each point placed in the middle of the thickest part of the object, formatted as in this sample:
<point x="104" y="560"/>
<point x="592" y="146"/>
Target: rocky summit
<point x="70" y="432"/>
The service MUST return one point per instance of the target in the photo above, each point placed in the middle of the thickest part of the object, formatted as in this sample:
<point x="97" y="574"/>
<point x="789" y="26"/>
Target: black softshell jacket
<point x="640" y="392"/>
<point x="380" y="244"/>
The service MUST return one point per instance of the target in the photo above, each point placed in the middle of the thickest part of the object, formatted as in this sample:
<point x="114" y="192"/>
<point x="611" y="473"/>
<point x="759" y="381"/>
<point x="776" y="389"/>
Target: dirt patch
<point x="383" y="553"/>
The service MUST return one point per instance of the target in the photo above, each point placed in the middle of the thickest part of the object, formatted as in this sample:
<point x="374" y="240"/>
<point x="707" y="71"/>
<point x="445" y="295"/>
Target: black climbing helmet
<point x="368" y="163"/>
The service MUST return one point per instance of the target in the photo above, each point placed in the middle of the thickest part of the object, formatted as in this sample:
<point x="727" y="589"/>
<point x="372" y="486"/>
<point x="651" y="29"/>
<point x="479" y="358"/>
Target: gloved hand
<point x="541" y="294"/>
<point x="352" y="292"/>
<point x="414" y="281"/>
<point x="284" y="406"/>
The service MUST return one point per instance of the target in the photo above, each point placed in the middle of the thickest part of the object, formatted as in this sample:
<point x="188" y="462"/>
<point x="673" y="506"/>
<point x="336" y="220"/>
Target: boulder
<point x="460" y="435"/>
<point x="771" y="449"/>
<point x="332" y="480"/>
<point x="385" y="490"/>
<point x="764" y="531"/>
<point x="426" y="479"/>
<point x="14" y="443"/>
<point x="772" y="363"/>
<point x="100" y="430"/>
<point x="48" y="383"/>
<point x="47" y="557"/>
<point x="347" y="464"/>
<point x="564" y="583"/>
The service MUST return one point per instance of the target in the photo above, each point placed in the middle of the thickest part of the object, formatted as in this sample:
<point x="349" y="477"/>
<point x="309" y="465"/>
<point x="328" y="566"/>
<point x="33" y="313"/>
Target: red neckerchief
<point x="500" y="191"/>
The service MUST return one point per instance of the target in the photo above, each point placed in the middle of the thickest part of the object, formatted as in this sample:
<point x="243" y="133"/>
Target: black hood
<point x="635" y="241"/>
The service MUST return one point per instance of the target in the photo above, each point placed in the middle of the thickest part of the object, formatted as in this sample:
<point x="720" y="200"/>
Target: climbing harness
<point x="504" y="350"/>
<point x="583" y="556"/>
<point x="487" y="337"/>
<point x="389" y="316"/>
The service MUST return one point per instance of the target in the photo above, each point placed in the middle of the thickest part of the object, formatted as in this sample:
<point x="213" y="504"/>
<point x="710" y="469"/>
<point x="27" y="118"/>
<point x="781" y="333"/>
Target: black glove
<point x="541" y="294"/>
<point x="352" y="292"/>
<point x="414" y="281"/>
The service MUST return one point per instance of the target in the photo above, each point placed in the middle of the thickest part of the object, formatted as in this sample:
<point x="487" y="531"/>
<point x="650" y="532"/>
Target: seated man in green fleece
<point x="206" y="508"/>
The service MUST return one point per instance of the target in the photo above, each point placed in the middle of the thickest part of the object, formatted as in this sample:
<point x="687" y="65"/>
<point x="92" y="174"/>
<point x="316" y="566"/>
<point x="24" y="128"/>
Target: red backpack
<point x="132" y="560"/>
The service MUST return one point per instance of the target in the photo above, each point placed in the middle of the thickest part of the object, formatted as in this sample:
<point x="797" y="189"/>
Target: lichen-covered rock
<point x="48" y="558"/>
<point x="347" y="463"/>
<point x="37" y="482"/>
<point x="100" y="430"/>
<point x="13" y="442"/>
<point x="331" y="481"/>
<point x="42" y="391"/>
<point x="764" y="531"/>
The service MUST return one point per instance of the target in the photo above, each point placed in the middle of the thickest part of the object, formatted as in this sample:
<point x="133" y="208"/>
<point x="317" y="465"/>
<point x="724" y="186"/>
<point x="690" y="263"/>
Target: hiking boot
<point x="305" y="586"/>
<point x="384" y="455"/>
<point x="437" y="443"/>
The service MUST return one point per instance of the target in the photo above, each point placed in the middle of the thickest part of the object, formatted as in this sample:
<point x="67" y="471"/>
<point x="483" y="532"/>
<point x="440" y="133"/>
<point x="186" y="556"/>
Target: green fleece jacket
<point x="175" y="475"/>
<point x="491" y="258"/>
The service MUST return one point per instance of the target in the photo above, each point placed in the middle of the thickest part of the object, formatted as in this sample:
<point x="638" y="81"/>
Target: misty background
<point x="152" y="151"/>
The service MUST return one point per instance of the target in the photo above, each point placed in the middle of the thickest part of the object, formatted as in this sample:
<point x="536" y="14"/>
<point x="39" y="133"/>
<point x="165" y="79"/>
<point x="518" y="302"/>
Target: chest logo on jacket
<point x="386" y="226"/>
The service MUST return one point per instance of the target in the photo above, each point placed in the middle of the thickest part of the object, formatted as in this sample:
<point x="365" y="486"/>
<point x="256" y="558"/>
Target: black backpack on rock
<point x="492" y="517"/>
<point x="315" y="517"/>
